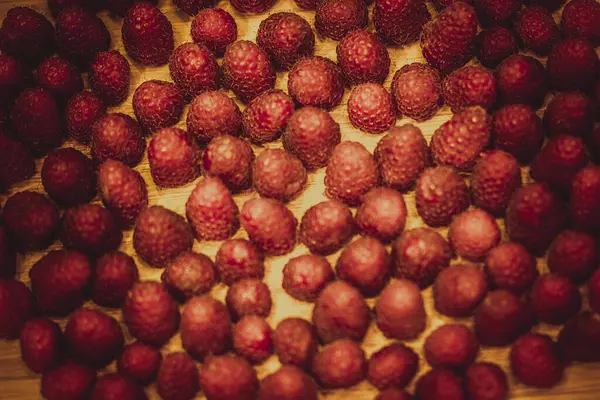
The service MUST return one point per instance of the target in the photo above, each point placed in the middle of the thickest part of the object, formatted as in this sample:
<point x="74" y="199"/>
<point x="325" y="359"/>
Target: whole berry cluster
<point x="506" y="182"/>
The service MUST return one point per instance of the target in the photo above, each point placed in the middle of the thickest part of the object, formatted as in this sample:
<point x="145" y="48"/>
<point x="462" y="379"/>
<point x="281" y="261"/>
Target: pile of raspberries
<point x="468" y="178"/>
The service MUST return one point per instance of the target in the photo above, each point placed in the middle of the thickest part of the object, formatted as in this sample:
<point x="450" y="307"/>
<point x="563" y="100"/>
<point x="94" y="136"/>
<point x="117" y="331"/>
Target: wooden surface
<point x="582" y="382"/>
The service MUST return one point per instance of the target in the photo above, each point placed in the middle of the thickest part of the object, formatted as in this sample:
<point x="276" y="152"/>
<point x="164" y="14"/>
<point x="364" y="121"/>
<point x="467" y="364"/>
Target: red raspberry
<point x="215" y="28"/>
<point x="139" y="362"/>
<point x="295" y="342"/>
<point x="494" y="45"/>
<point x="27" y="35"/>
<point x="335" y="18"/>
<point x="109" y="77"/>
<point x="69" y="380"/>
<point x="521" y="80"/>
<point x="13" y="79"/>
<point x="189" y="274"/>
<point x="15" y="307"/>
<point x="228" y="377"/>
<point x="486" y="381"/>
<point x="270" y="225"/>
<point x="417" y="91"/>
<point x="147" y="35"/>
<point x="173" y="157"/>
<point x="341" y="364"/>
<point x="554" y="299"/>
<point x="247" y="70"/>
<point x="363" y="57"/>
<point x="212" y="114"/>
<point x="440" y="383"/>
<point x="594" y="291"/>
<point x="114" y="275"/>
<point x="501" y="318"/>
<point x="119" y="137"/>
<point x="573" y="65"/>
<point x="177" y="377"/>
<point x="326" y="227"/>
<point x="8" y="256"/>
<point x="400" y="311"/>
<point x="120" y="7"/>
<point x="157" y="104"/>
<point x="113" y="385"/>
<point x="459" y="142"/>
<point x="41" y="344"/>
<point x="579" y="338"/>
<point x="278" y="174"/>
<point x="393" y="394"/>
<point x="252" y="6"/>
<point x="581" y="18"/>
<point x="473" y="234"/>
<point x="265" y="116"/>
<point x="205" y="327"/>
<point x="316" y="81"/>
<point x="400" y="22"/>
<point x="59" y="77"/>
<point x="518" y="130"/>
<point x="307" y="4"/>
<point x="248" y="297"/>
<point x="311" y="135"/>
<point x="585" y="198"/>
<point x="570" y="113"/>
<point x="239" y="259"/>
<point x="287" y="383"/>
<point x="91" y="229"/>
<point x="573" y="254"/>
<point x="497" y="12"/>
<point x="537" y="30"/>
<point x="535" y="361"/>
<point x="452" y="346"/>
<point x="80" y="35"/>
<point x="440" y="195"/>
<point x="469" y="86"/>
<point x="286" y="37"/>
<point x="458" y="290"/>
<point x="82" y="111"/>
<point x="511" y="267"/>
<point x="304" y="277"/>
<point x="382" y="214"/>
<point x="252" y="339"/>
<point x="194" y="69"/>
<point x="192" y="7"/>
<point x="394" y="365"/>
<point x="371" y="108"/>
<point x="229" y="159"/>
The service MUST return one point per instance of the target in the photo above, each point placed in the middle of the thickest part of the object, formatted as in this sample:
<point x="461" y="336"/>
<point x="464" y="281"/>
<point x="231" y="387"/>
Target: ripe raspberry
<point x="69" y="380"/>
<point x="252" y="6"/>
<point x="495" y="177"/>
<point x="458" y="142"/>
<point x="402" y="155"/>
<point x="91" y="229"/>
<point x="8" y="256"/>
<point x="554" y="299"/>
<point x="150" y="313"/>
<point x="393" y="394"/>
<point x="574" y="255"/>
<point x="341" y="364"/>
<point x="248" y="297"/>
<point x="27" y="35"/>
<point x="252" y="339"/>
<point x="486" y="381"/>
<point x="31" y="221"/>
<point x="14" y="78"/>
<point x="417" y="91"/>
<point x="521" y="80"/>
<point x="458" y="290"/>
<point x="446" y="41"/>
<point x="247" y="70"/>
<point x="382" y="214"/>
<point x="36" y="120"/>
<point x="147" y="35"/>
<point x="537" y="30"/>
<point x="497" y="12"/>
<point x="41" y="344"/>
<point x="535" y="361"/>
<point x="278" y="174"/>
<point x="535" y="215"/>
<point x="495" y="44"/>
<point x="451" y="346"/>
<point x="229" y="159"/>
<point x="316" y="81"/>
<point x="120" y="7"/>
<point x="307" y="4"/>
<point x="239" y="259"/>
<point x="189" y="274"/>
<point x="265" y="116"/>
<point x="551" y="5"/>
<point x="573" y="65"/>
<point x="340" y="312"/>
<point x="399" y="310"/>
<point x="501" y="318"/>
<point x="579" y="338"/>
<point x="581" y="18"/>
<point x="114" y="275"/>
<point x="270" y="225"/>
<point x="177" y="377"/>
<point x="335" y="18"/>
<point x="295" y="342"/>
<point x="192" y="7"/>
<point x="594" y="291"/>
<point x="286" y="37"/>
<point x="157" y="104"/>
<point x="469" y="86"/>
<point x="109" y="77"/>
<point x="363" y="57"/>
<point x="173" y="157"/>
<point x="371" y="108"/>
<point x="211" y="211"/>
<point x="304" y="277"/>
<point x="59" y="281"/>
<point x="194" y="69"/>
<point x="365" y="263"/>
<point x="205" y="327"/>
<point x="593" y="140"/>
<point x="139" y="362"/>
<point x="473" y="234"/>
<point x="558" y="162"/>
<point x="82" y="111"/>
<point x="311" y="135"/>
<point x="228" y="377"/>
<point x="212" y="114"/>
<point x="215" y="28"/>
<point x="440" y="383"/>
<point x="113" y="385"/>
<point x="400" y="22"/>
<point x="68" y="177"/>
<point x="59" y="77"/>
<point x="392" y="366"/>
<point x="419" y="255"/>
<point x="119" y="137"/>
<point x="326" y="227"/>
<point x="351" y="173"/>
<point x="123" y="191"/>
<point x="570" y="113"/>
<point x="517" y="130"/>
<point x="15" y="307"/>
<point x="440" y="195"/>
<point x="80" y="35"/>
<point x="288" y="383"/>
<point x="585" y="198"/>
<point x="160" y="235"/>
<point x="93" y="337"/>
<point x="510" y="266"/>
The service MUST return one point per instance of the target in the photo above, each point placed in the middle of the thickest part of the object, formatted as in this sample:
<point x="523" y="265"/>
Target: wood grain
<point x="582" y="382"/>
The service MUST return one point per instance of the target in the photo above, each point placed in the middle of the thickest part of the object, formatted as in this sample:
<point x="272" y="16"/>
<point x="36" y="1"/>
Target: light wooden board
<point x="582" y="382"/>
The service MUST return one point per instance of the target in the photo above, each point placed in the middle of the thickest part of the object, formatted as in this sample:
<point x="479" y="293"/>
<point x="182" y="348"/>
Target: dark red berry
<point x="494" y="45"/>
<point x="394" y="365"/>
<point x="535" y="361"/>
<point x="213" y="114"/>
<point x="147" y="35"/>
<point x="511" y="267"/>
<point x="194" y="69"/>
<point x="252" y="338"/>
<point x="501" y="318"/>
<point x="335" y="18"/>
<point x="295" y="342"/>
<point x="239" y="259"/>
<point x="205" y="327"/>
<point x="417" y="91"/>
<point x="365" y="263"/>
<point x="473" y="234"/>
<point x="109" y="77"/>
<point x="326" y="227"/>
<point x="371" y="108"/>
<point x="189" y="274"/>
<point x="469" y="86"/>
<point x="521" y="80"/>
<point x="215" y="28"/>
<point x="119" y="137"/>
<point x="82" y="111"/>
<point x="458" y="290"/>
<point x="114" y="275"/>
<point x="451" y="346"/>
<point x="59" y="77"/>
<point x="304" y="277"/>
<point x="382" y="214"/>
<point x="363" y="57"/>
<point x="316" y="81"/>
<point x="229" y="159"/>
<point x="157" y="104"/>
<point x="266" y="116"/>
<point x="173" y="157"/>
<point x="517" y="130"/>
<point x="139" y="362"/>
<point x="42" y="344"/>
<point x="573" y="65"/>
<point x="27" y="35"/>
<point x="248" y="297"/>
<point x="554" y="299"/>
<point x="340" y="364"/>
<point x="537" y="30"/>
<point x="80" y="35"/>
<point x="91" y="229"/>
